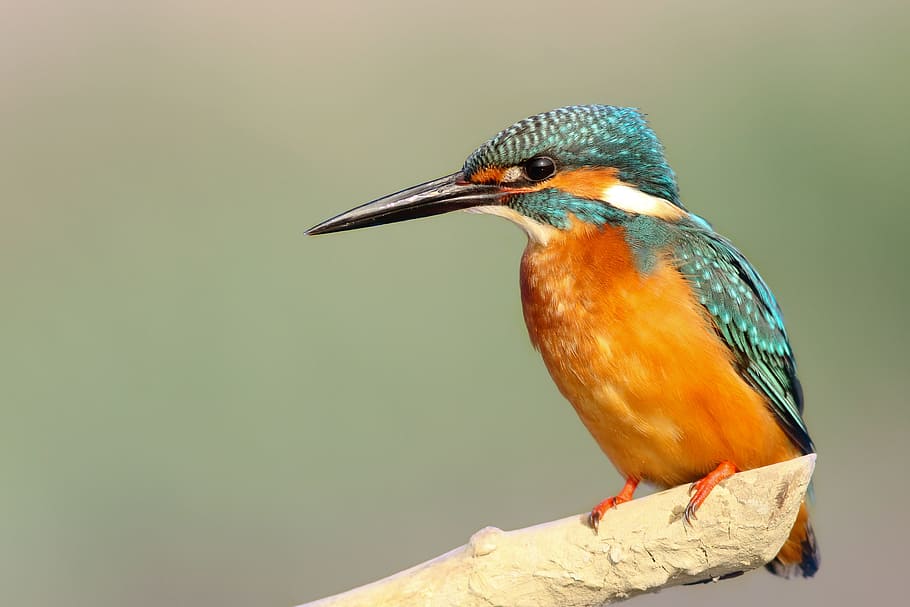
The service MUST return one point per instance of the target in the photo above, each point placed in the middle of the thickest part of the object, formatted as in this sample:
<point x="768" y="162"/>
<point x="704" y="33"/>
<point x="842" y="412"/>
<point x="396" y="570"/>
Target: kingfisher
<point x="666" y="341"/>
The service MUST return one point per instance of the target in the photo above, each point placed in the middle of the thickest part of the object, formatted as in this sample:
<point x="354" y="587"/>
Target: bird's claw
<point x="700" y="489"/>
<point x="594" y="521"/>
<point x="598" y="512"/>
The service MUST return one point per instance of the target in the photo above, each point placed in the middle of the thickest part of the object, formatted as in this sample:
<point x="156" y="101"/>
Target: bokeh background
<point x="203" y="407"/>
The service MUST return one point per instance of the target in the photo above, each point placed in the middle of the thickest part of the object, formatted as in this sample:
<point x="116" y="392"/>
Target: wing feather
<point x="747" y="317"/>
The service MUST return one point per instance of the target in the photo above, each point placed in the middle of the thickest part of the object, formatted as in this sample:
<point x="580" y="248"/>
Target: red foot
<point x="624" y="496"/>
<point x="701" y="488"/>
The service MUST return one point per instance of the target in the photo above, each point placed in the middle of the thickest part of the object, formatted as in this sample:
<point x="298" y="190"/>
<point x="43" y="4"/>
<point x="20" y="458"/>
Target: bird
<point x="663" y="337"/>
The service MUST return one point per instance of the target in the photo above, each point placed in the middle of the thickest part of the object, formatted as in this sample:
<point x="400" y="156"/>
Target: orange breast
<point x="638" y="358"/>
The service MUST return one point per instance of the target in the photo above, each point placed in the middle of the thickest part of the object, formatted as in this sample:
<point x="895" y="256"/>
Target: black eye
<point x="540" y="168"/>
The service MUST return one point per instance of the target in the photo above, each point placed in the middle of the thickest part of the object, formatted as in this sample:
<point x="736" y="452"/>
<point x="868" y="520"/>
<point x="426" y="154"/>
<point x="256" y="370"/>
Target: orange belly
<point x="638" y="358"/>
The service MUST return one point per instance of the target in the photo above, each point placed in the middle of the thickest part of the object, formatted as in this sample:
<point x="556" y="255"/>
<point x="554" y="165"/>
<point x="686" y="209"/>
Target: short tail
<point x="799" y="554"/>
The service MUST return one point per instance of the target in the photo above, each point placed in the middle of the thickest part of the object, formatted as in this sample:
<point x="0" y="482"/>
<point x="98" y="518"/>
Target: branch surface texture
<point x="643" y="546"/>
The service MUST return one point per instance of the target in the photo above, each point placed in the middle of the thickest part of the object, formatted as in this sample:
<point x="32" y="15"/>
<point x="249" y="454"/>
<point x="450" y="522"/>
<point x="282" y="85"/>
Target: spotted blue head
<point x="583" y="136"/>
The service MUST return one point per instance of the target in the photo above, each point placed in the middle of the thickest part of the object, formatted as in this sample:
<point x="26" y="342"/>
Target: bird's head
<point x="597" y="163"/>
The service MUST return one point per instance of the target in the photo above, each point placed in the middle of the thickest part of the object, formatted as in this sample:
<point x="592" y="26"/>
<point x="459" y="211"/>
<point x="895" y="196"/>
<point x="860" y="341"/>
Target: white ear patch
<point x="512" y="174"/>
<point x="631" y="199"/>
<point x="537" y="232"/>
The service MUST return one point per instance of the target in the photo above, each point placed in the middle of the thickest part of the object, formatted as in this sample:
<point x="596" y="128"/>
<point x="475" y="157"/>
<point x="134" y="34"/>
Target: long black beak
<point x="442" y="195"/>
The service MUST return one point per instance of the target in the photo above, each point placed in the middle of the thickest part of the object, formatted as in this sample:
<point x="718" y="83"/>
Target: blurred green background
<point x="203" y="407"/>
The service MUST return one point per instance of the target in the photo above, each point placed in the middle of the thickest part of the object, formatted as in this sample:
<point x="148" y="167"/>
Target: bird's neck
<point x="590" y="262"/>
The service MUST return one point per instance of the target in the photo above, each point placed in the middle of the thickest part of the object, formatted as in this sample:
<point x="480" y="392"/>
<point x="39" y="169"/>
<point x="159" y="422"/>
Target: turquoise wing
<point x="747" y="317"/>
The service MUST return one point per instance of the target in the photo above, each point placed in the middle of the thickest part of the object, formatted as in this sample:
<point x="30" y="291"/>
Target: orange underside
<point x="637" y="357"/>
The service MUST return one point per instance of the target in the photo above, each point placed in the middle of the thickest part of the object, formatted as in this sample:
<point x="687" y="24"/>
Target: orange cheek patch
<point x="488" y="175"/>
<point x="584" y="183"/>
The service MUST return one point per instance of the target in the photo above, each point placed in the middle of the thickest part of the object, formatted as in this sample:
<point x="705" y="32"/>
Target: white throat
<point x="539" y="233"/>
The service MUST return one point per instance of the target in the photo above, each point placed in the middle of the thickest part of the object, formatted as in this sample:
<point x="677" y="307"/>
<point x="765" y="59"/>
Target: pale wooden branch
<point x="643" y="546"/>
